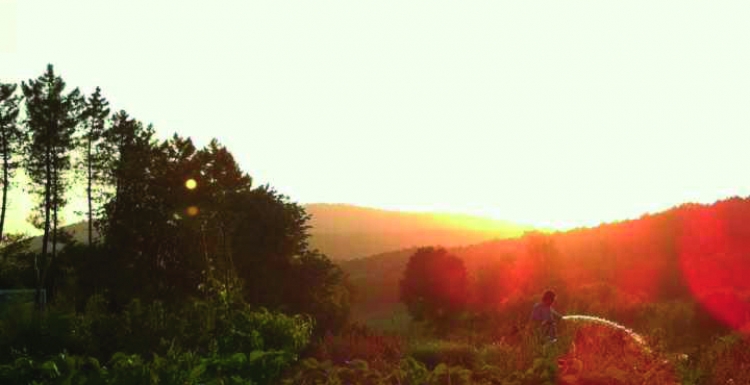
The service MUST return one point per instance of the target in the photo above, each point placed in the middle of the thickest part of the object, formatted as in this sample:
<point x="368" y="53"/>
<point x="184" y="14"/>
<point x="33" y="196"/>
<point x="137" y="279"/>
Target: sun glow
<point x="516" y="117"/>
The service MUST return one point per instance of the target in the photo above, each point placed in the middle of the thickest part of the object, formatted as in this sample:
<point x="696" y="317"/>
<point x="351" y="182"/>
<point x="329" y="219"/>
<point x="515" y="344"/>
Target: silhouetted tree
<point x="273" y="259"/>
<point x="221" y="182"/>
<point x="435" y="285"/>
<point x="11" y="139"/>
<point x="134" y="218"/>
<point x="94" y="160"/>
<point x="51" y="120"/>
<point x="124" y="145"/>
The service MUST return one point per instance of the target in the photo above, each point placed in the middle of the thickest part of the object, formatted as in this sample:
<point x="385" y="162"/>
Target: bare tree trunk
<point x="226" y="256"/>
<point x="230" y="256"/>
<point x="6" y="159"/>
<point x="89" y="192"/>
<point x="45" y="239"/>
<point x="55" y="208"/>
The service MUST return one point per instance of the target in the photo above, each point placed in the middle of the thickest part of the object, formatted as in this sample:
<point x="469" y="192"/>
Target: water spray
<point x="603" y="321"/>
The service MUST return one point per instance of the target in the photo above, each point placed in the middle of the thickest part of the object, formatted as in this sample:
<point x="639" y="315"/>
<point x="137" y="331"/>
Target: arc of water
<point x="588" y="318"/>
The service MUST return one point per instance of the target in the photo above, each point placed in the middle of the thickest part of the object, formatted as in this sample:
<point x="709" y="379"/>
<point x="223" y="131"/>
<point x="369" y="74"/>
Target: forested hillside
<point x="695" y="253"/>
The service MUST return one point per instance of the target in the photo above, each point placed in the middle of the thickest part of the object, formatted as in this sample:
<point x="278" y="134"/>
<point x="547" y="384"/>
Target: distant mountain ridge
<point x="345" y="232"/>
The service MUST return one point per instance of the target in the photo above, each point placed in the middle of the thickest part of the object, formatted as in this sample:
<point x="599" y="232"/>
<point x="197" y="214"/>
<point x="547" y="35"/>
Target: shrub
<point x="433" y="353"/>
<point x="727" y="360"/>
<point x="358" y="342"/>
<point x="24" y="331"/>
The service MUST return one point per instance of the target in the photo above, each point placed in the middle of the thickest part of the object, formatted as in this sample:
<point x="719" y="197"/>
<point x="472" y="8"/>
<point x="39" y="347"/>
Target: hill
<point x="694" y="253"/>
<point x="78" y="232"/>
<point x="345" y="232"/>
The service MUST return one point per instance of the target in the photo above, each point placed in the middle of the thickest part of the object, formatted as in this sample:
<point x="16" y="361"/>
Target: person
<point x="546" y="317"/>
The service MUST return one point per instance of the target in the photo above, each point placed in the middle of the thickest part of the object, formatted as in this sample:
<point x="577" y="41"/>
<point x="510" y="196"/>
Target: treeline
<point x="179" y="226"/>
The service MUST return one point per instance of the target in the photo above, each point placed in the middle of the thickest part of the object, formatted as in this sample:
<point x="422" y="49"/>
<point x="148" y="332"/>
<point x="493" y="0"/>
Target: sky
<point x="549" y="113"/>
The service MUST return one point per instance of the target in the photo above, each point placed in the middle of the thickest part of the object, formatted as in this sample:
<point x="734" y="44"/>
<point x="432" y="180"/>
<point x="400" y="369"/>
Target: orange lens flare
<point x="714" y="249"/>
<point x="192" y="211"/>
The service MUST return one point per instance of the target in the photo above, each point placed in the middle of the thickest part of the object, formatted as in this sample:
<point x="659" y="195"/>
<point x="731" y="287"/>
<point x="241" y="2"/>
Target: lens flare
<point x="191" y="184"/>
<point x="714" y="246"/>
<point x="192" y="211"/>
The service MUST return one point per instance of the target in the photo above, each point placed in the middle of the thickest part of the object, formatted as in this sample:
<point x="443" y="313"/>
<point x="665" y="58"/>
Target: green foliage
<point x="208" y="342"/>
<point x="24" y="331"/>
<point x="257" y="368"/>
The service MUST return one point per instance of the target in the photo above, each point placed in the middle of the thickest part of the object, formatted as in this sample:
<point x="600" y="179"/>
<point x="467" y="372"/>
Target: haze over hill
<point x="345" y="232"/>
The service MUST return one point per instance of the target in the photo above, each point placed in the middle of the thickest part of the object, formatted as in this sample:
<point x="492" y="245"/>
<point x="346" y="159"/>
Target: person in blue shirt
<point x="545" y="316"/>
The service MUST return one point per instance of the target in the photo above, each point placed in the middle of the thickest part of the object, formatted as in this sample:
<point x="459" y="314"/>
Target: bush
<point x="206" y="342"/>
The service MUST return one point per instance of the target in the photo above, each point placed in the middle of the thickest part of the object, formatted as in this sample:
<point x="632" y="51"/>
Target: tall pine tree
<point x="94" y="160"/>
<point x="10" y="141"/>
<point x="51" y="120"/>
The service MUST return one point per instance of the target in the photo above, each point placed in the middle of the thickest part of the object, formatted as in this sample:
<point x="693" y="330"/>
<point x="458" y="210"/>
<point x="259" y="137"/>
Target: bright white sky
<point x="552" y="113"/>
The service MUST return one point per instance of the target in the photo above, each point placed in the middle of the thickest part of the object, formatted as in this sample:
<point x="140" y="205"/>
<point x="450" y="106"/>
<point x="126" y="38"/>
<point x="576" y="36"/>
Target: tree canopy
<point x="435" y="285"/>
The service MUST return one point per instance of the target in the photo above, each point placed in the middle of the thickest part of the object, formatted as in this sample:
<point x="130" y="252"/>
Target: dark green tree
<point x="133" y="221"/>
<point x="435" y="286"/>
<point x="277" y="267"/>
<point x="51" y="120"/>
<point x="94" y="161"/>
<point x="11" y="139"/>
<point x="219" y="186"/>
<point x="124" y="145"/>
<point x="220" y="230"/>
